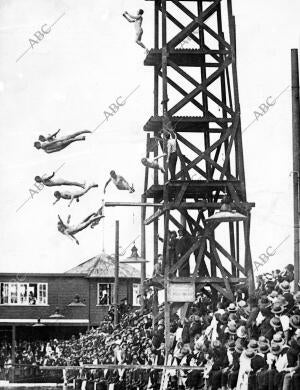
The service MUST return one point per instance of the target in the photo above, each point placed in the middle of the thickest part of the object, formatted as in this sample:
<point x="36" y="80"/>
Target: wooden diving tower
<point x="196" y="91"/>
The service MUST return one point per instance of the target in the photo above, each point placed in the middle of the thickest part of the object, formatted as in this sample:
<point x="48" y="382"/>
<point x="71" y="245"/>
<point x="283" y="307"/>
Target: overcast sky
<point x="70" y="78"/>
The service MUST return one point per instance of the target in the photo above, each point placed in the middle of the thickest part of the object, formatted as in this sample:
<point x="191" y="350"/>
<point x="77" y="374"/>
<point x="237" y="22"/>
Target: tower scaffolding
<point x="201" y="105"/>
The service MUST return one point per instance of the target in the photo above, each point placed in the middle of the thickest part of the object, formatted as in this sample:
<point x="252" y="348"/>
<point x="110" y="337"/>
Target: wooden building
<point x="65" y="303"/>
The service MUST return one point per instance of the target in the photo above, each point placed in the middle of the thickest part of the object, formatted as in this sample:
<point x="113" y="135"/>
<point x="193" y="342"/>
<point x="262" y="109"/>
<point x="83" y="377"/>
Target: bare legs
<point x="71" y="136"/>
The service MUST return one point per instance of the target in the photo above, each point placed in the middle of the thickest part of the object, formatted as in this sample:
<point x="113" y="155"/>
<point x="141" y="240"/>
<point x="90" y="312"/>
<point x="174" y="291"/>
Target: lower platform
<point x="185" y="57"/>
<point x="189" y="124"/>
<point x="201" y="189"/>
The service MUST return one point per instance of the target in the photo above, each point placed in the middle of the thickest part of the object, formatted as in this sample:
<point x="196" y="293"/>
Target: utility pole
<point x="296" y="148"/>
<point x="116" y="285"/>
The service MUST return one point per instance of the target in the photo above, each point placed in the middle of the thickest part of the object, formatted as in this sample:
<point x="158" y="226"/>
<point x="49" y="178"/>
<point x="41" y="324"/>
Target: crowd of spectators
<point x="250" y="343"/>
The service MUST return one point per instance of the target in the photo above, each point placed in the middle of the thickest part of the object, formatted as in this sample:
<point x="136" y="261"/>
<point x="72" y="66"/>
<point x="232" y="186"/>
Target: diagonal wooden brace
<point x="156" y="215"/>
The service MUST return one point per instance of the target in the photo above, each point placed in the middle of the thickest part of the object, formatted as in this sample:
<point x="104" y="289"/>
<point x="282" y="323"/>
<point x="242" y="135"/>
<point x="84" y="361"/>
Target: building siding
<point x="61" y="292"/>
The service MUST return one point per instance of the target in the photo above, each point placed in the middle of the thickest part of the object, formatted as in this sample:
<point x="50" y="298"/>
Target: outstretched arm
<point x="133" y="17"/>
<point x="106" y="184"/>
<point x="52" y="136"/>
<point x="158" y="157"/>
<point x="61" y="221"/>
<point x="72" y="198"/>
<point x="57" y="199"/>
<point x="48" y="177"/>
<point x="127" y="18"/>
<point x="71" y="237"/>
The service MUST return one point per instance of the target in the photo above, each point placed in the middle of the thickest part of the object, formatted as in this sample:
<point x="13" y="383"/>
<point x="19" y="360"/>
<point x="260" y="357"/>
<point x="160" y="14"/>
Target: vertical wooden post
<point x="166" y="218"/>
<point x="248" y="258"/>
<point x="143" y="252"/>
<point x="166" y="286"/>
<point x="156" y="43"/>
<point x="13" y="352"/>
<point x="204" y="96"/>
<point x="296" y="165"/>
<point x="89" y="303"/>
<point x="116" y="285"/>
<point x="232" y="247"/>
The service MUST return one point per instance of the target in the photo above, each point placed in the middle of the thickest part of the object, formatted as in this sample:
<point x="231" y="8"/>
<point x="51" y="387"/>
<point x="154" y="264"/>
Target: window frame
<point x="111" y="291"/>
<point x="8" y="288"/>
<point x="136" y="286"/>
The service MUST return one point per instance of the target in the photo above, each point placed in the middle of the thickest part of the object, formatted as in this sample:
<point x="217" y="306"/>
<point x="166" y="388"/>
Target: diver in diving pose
<point x="70" y="230"/>
<point x="59" y="144"/>
<point x="50" y="182"/>
<point x="72" y="195"/>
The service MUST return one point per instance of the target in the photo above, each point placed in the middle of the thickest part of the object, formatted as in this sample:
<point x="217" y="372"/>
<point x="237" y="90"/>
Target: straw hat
<point x="285" y="286"/>
<point x="295" y="321"/>
<point x="277" y="339"/>
<point x="250" y="353"/>
<point x="275" y="322"/>
<point x="276" y="349"/>
<point x="253" y="344"/>
<point x="263" y="348"/>
<point x="277" y="308"/>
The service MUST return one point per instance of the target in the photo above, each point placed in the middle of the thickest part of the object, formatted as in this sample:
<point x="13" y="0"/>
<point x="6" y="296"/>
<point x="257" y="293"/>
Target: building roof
<point x="104" y="266"/>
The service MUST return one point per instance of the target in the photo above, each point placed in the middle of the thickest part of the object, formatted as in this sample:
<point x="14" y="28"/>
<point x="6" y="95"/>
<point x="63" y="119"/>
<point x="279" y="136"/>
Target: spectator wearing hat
<point x="182" y="246"/>
<point x="273" y="295"/>
<point x="241" y="335"/>
<point x="245" y="368"/>
<point x="235" y="366"/>
<point x="278" y="310"/>
<point x="297" y="301"/>
<point x="258" y="363"/>
<point x="263" y="320"/>
<point x="286" y="293"/>
<point x="242" y="310"/>
<point x="288" y="273"/>
<point x="254" y="310"/>
<point x="230" y="331"/>
<point x="221" y="327"/>
<point x="229" y="364"/>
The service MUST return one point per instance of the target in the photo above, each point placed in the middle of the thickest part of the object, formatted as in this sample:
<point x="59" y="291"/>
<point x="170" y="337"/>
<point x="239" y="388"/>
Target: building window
<point x="4" y="293"/>
<point x="23" y="293"/>
<point x="135" y="292"/>
<point x="105" y="293"/>
<point x="43" y="294"/>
